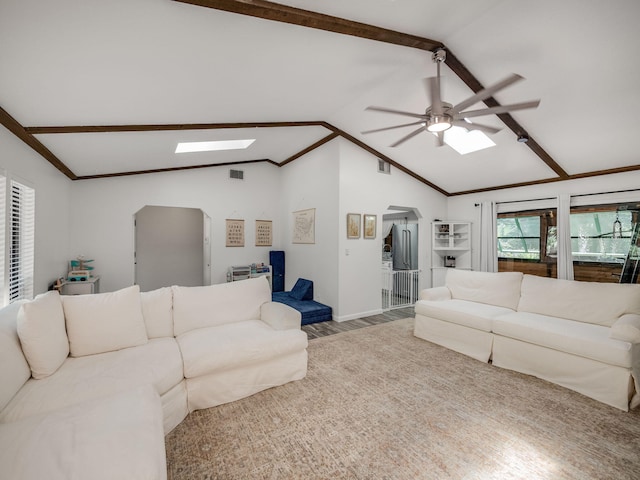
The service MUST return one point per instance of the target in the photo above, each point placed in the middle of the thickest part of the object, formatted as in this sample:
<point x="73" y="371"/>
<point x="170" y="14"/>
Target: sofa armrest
<point x="436" y="293"/>
<point x="626" y="328"/>
<point x="280" y="316"/>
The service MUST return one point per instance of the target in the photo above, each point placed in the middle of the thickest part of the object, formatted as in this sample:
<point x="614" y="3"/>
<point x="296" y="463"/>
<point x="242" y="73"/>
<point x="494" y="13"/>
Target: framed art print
<point x="369" y="226"/>
<point x="353" y="225"/>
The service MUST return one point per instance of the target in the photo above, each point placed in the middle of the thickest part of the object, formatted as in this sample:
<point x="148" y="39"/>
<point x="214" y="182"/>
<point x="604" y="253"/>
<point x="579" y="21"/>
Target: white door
<point x="170" y="247"/>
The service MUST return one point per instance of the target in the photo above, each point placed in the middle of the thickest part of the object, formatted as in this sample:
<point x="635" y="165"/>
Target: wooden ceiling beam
<point x="171" y="169"/>
<point x="19" y="131"/>
<point x="166" y="127"/>
<point x="305" y="18"/>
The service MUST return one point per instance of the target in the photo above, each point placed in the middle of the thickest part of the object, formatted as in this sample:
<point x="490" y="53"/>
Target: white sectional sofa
<point x="582" y="335"/>
<point x="90" y="384"/>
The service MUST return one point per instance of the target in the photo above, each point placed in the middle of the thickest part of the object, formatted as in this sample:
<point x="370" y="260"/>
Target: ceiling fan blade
<point x="475" y="126"/>
<point x="433" y="90"/>
<point x="440" y="139"/>
<point x="486" y="92"/>
<point x="391" y="128"/>
<point x="497" y="110"/>
<point x="397" y="112"/>
<point x="407" y="137"/>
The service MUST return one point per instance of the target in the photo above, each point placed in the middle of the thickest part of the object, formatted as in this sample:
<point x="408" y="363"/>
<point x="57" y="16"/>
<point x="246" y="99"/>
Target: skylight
<point x="186" y="147"/>
<point x="466" y="141"/>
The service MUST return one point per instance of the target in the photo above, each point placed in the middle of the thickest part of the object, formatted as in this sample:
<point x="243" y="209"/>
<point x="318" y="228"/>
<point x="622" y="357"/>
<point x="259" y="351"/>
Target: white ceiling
<point x="151" y="62"/>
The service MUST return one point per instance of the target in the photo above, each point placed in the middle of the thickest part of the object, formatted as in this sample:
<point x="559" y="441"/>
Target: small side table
<point x="81" y="287"/>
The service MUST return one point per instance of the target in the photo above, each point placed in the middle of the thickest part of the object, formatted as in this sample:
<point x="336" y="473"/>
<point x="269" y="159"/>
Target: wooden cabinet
<point x="450" y="247"/>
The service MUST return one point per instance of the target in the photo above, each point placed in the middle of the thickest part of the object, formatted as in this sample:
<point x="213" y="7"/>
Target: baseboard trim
<point x="353" y="316"/>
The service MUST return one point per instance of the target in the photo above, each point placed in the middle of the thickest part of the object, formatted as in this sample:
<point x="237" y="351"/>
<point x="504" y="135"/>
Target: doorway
<point x="400" y="253"/>
<point x="171" y="247"/>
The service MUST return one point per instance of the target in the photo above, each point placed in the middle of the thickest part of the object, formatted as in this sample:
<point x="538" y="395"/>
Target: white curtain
<point x="565" y="259"/>
<point x="488" y="242"/>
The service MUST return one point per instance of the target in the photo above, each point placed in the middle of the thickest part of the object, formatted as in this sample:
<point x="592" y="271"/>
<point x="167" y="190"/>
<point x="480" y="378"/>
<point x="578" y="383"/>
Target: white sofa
<point x="582" y="335"/>
<point x="90" y="383"/>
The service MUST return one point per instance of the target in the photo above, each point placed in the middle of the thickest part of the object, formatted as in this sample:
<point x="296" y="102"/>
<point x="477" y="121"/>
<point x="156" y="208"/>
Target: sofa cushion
<point x="500" y="289"/>
<point x="43" y="334"/>
<point x="462" y="312"/>
<point x="119" y="436"/>
<point x="199" y="307"/>
<point x="158" y="362"/>
<point x="104" y="322"/>
<point x="14" y="369"/>
<point x="590" y="302"/>
<point x="302" y="290"/>
<point x="235" y="345"/>
<point x="627" y="328"/>
<point x="579" y="338"/>
<point x="157" y="310"/>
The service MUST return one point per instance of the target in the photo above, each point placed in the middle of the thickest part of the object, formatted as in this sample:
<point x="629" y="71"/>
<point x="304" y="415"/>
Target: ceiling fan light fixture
<point x="438" y="123"/>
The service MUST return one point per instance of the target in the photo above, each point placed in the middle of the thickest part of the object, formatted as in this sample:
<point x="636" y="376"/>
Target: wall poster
<point x="264" y="233"/>
<point x="235" y="233"/>
<point x="304" y="226"/>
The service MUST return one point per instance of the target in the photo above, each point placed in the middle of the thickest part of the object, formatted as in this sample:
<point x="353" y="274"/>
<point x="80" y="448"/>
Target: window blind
<point x="21" y="241"/>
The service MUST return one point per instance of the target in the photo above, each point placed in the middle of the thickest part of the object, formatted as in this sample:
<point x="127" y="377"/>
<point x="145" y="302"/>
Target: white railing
<point x="399" y="288"/>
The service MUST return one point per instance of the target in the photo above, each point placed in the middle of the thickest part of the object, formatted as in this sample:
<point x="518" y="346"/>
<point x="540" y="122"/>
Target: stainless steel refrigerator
<point x="405" y="247"/>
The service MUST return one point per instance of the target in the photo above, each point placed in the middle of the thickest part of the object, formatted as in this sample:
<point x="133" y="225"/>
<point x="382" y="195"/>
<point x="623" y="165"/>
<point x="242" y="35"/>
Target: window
<point x="21" y="220"/>
<point x="527" y="242"/>
<point x="602" y="234"/>
<point x="519" y="237"/>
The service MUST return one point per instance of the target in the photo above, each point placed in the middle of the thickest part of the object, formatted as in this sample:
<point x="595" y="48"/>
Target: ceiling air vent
<point x="236" y="174"/>
<point x="384" y="167"/>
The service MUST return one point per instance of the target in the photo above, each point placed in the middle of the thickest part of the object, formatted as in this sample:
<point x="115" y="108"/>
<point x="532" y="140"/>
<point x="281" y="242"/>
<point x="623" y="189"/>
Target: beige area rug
<point x="378" y="403"/>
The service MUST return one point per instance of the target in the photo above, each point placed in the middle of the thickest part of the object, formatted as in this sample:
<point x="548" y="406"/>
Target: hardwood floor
<point x="322" y="329"/>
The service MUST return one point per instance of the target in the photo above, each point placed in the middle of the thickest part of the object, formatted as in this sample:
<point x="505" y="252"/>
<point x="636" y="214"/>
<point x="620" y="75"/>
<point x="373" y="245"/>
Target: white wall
<point x="102" y="213"/>
<point x="364" y="190"/>
<point x="463" y="207"/>
<point x="52" y="190"/>
<point x="312" y="182"/>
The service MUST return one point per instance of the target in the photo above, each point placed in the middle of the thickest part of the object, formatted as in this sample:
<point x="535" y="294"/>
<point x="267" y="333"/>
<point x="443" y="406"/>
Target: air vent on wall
<point x="384" y="167"/>
<point x="236" y="174"/>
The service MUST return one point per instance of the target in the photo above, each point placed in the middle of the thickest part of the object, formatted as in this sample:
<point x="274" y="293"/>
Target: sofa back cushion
<point x="14" y="369"/>
<point x="589" y="302"/>
<point x="157" y="309"/>
<point x="104" y="322"/>
<point x="43" y="334"/>
<point x="500" y="289"/>
<point x="199" y="307"/>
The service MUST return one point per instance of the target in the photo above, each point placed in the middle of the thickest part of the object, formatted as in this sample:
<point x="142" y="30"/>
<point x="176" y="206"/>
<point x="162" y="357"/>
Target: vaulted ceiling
<point x="109" y="88"/>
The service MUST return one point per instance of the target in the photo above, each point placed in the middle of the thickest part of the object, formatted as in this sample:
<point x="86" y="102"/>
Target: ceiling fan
<point x="441" y="116"/>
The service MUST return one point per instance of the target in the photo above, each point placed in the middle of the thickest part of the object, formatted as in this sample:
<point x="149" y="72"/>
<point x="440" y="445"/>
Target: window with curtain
<point x="605" y="242"/>
<point x="21" y="233"/>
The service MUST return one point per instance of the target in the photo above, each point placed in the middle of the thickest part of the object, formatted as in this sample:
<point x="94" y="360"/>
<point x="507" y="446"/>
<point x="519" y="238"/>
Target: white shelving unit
<point x="450" y="248"/>
<point x="243" y="272"/>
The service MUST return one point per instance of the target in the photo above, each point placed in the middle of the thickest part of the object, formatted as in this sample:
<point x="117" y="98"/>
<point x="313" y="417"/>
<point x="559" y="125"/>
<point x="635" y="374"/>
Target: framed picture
<point x="235" y="233"/>
<point x="353" y="225"/>
<point x="369" y="226"/>
<point x="304" y="226"/>
<point x="264" y="233"/>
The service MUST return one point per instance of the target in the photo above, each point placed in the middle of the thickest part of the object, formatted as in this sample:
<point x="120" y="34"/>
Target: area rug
<point x="379" y="403"/>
